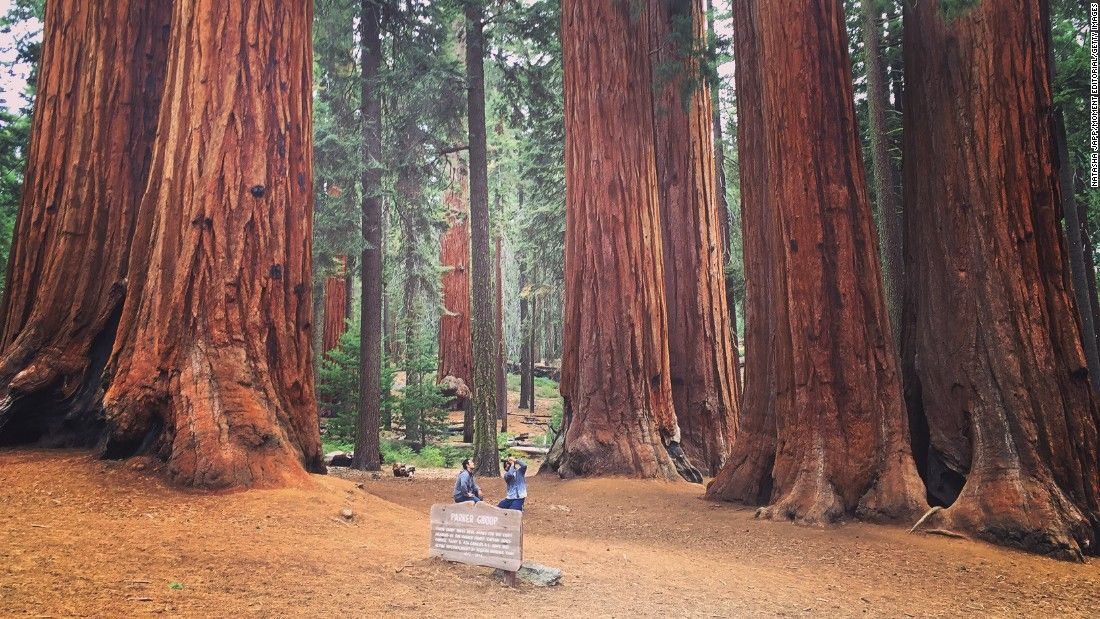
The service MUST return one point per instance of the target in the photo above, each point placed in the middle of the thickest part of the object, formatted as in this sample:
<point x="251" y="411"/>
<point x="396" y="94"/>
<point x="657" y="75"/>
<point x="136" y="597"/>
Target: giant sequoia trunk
<point x="100" y="81"/>
<point x="455" y="356"/>
<point x="994" y="367"/>
<point x="619" y="417"/>
<point x="336" y="307"/>
<point x="212" y="366"/>
<point x="823" y="433"/>
<point x="702" y="362"/>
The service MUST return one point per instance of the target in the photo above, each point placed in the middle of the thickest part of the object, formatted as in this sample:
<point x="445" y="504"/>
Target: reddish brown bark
<point x="993" y="356"/>
<point x="212" y="367"/>
<point x="455" y="352"/>
<point x="701" y="357"/>
<point x="619" y="417"/>
<point x="99" y="87"/>
<point x="335" y="318"/>
<point x="823" y="435"/>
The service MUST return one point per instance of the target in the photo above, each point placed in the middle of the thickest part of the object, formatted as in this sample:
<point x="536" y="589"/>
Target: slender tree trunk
<point x="994" y="364"/>
<point x="101" y="77"/>
<point x="618" y="412"/>
<point x="335" y="318"/>
<point x="525" y="346"/>
<point x="821" y="363"/>
<point x="212" y="368"/>
<point x="896" y="75"/>
<point x="1090" y="269"/>
<point x="1077" y="246"/>
<point x="411" y="238"/>
<point x="367" y="450"/>
<point x="532" y="340"/>
<point x="502" y="376"/>
<point x="317" y="322"/>
<point x="724" y="210"/>
<point x="390" y="342"/>
<point x="537" y="324"/>
<point x="701" y="358"/>
<point x="889" y="206"/>
<point x="481" y="280"/>
<point x="720" y="162"/>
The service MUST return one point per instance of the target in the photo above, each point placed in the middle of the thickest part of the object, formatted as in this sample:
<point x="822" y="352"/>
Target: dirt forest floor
<point x="83" y="537"/>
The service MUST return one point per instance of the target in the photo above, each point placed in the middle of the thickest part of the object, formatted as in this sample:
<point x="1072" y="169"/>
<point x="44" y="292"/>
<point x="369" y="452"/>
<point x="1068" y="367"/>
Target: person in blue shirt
<point x="515" y="472"/>
<point x="466" y="488"/>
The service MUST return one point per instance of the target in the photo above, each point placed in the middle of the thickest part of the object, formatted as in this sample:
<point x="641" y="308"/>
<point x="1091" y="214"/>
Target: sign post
<point x="478" y="534"/>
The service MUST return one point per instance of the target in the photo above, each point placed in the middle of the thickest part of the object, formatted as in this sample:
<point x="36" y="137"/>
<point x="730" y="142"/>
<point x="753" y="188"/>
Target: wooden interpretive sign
<point x="477" y="534"/>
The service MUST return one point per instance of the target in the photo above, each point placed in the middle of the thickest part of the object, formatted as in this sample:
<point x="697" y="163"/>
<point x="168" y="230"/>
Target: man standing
<point x="515" y="472"/>
<point x="466" y="489"/>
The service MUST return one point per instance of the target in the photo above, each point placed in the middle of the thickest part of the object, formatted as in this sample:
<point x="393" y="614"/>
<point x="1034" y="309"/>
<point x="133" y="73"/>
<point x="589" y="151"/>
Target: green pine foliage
<point x="338" y="388"/>
<point x="422" y="403"/>
<point x="15" y="125"/>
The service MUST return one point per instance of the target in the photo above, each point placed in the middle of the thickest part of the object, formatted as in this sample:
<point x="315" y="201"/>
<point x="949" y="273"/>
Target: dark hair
<point x="467" y="461"/>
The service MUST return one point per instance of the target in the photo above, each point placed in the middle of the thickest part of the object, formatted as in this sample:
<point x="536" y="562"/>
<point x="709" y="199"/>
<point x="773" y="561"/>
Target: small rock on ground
<point x="535" y="574"/>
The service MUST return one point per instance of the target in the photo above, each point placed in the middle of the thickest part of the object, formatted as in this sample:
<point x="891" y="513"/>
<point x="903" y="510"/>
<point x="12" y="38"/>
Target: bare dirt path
<point x="81" y="537"/>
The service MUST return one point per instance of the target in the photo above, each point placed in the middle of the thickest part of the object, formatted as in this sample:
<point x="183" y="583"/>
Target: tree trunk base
<point x="213" y="428"/>
<point x="895" y="496"/>
<point x="1023" y="513"/>
<point x="746" y="476"/>
<point x="597" y="455"/>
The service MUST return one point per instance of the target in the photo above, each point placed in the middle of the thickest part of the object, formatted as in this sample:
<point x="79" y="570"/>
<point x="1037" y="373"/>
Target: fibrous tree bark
<point x="702" y="364"/>
<point x="482" y="331"/>
<point x="455" y="353"/>
<point x="335" y="315"/>
<point x="525" y="362"/>
<point x="723" y="205"/>
<point x="719" y="159"/>
<point x="882" y="171"/>
<point x="994" y="367"/>
<point x="100" y="82"/>
<point x="501" y="375"/>
<point x="618" y="412"/>
<point x="367" y="449"/>
<point x="823" y="435"/>
<point x="212" y="366"/>
<point x="1078" y="246"/>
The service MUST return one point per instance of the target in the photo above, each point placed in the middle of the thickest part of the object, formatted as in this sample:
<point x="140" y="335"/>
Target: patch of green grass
<point x="329" y="446"/>
<point x="175" y="586"/>
<point x="544" y="387"/>
<point x="434" y="456"/>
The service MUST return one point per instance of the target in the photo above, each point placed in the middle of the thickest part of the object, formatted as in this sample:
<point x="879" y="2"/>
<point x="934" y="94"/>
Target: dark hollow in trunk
<point x="101" y="77"/>
<point x="992" y="345"/>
